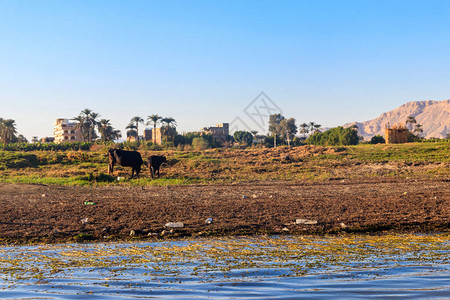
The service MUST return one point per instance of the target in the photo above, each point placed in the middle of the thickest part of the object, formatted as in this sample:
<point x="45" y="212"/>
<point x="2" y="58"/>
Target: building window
<point x="72" y="137"/>
<point x="72" y="131"/>
<point x="66" y="137"/>
<point x="66" y="132"/>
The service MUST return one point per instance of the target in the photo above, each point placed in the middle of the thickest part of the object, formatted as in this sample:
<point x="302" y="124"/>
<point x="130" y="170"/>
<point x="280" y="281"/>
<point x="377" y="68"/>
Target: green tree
<point x="87" y="122"/>
<point x="21" y="139"/>
<point x="107" y="132"/>
<point x="136" y="120"/>
<point x="199" y="143"/>
<point x="335" y="136"/>
<point x="304" y="129"/>
<point x="8" y="130"/>
<point x="243" y="137"/>
<point x="132" y="131"/>
<point x="169" y="128"/>
<point x="377" y="139"/>
<point x="349" y="136"/>
<point x="288" y="129"/>
<point x="274" y="126"/>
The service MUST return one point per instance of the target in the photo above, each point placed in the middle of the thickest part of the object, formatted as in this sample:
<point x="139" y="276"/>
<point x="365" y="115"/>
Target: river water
<point x="275" y="267"/>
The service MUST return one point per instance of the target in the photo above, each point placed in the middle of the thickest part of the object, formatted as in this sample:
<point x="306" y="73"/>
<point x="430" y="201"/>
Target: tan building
<point x="148" y="135"/>
<point x="219" y="132"/>
<point x="65" y="131"/>
<point x="396" y="134"/>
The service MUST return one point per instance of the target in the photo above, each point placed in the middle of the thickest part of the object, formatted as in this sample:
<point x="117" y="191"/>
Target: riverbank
<point x="53" y="213"/>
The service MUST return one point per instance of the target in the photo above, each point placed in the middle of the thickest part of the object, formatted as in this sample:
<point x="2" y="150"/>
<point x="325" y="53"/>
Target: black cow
<point x="154" y="162"/>
<point x="125" y="158"/>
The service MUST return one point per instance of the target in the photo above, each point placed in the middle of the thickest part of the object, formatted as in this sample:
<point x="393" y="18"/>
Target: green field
<point x="303" y="163"/>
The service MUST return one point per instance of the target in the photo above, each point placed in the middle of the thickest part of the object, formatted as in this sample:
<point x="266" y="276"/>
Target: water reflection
<point x="282" y="267"/>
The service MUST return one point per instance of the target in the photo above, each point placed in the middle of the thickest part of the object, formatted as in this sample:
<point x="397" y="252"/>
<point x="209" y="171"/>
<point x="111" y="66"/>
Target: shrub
<point x="199" y="143"/>
<point x="377" y="139"/>
<point x="334" y="137"/>
<point x="17" y="160"/>
<point x="243" y="137"/>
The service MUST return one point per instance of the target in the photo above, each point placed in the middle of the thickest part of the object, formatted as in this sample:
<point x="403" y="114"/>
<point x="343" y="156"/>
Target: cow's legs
<point x="138" y="170"/>
<point x="111" y="169"/>
<point x="152" y="171"/>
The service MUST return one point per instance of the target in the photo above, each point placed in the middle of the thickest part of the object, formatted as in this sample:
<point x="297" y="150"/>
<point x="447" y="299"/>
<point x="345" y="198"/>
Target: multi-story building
<point x="219" y="132"/>
<point x="65" y="131"/>
<point x="148" y="135"/>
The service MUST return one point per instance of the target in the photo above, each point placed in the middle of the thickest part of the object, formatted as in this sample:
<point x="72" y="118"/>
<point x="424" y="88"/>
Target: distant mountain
<point x="434" y="116"/>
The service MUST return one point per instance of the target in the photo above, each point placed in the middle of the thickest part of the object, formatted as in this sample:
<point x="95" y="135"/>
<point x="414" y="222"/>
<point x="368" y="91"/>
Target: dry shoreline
<point x="39" y="213"/>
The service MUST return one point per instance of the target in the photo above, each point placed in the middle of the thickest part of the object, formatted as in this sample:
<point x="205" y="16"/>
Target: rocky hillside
<point x="434" y="116"/>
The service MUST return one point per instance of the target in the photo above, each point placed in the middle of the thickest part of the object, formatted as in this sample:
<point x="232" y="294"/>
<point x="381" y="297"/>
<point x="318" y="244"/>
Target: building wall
<point x="65" y="131"/>
<point x="398" y="134"/>
<point x="219" y="132"/>
<point x="148" y="135"/>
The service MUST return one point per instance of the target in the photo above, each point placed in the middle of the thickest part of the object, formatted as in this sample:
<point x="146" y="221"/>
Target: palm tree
<point x="317" y="128"/>
<point x="92" y="121"/>
<point x="305" y="129"/>
<point x="87" y="121"/>
<point x="169" y="121"/>
<point x="107" y="132"/>
<point x="136" y="120"/>
<point x="311" y="127"/>
<point x="131" y="132"/>
<point x="7" y="130"/>
<point x="21" y="139"/>
<point x="169" y="127"/>
<point x="80" y="125"/>
<point x="418" y="129"/>
<point x="153" y="119"/>
<point x="409" y="121"/>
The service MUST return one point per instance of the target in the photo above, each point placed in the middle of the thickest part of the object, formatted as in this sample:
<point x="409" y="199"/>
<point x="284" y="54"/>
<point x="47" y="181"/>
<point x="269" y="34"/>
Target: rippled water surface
<point x="282" y="267"/>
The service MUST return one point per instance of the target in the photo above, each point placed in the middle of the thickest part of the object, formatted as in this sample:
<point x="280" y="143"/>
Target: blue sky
<point x="203" y="62"/>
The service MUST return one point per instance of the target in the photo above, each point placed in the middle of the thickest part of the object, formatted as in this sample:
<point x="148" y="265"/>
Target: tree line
<point x="282" y="131"/>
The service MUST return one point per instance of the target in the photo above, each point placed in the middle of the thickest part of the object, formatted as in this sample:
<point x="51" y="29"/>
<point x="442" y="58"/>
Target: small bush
<point x="18" y="160"/>
<point x="199" y="143"/>
<point x="377" y="139"/>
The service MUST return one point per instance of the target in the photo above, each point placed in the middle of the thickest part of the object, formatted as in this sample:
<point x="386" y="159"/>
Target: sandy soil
<point x="62" y="213"/>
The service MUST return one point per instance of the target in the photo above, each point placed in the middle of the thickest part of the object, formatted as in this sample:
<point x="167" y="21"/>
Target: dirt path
<point x="59" y="213"/>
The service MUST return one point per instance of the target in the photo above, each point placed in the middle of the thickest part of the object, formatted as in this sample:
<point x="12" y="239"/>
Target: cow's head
<point x="112" y="155"/>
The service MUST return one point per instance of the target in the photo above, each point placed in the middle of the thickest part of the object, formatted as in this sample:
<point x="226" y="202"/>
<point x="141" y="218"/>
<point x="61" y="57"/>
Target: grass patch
<point x="304" y="163"/>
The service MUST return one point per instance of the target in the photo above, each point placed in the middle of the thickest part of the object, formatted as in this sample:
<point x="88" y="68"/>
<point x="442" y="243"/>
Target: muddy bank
<point x="31" y="213"/>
